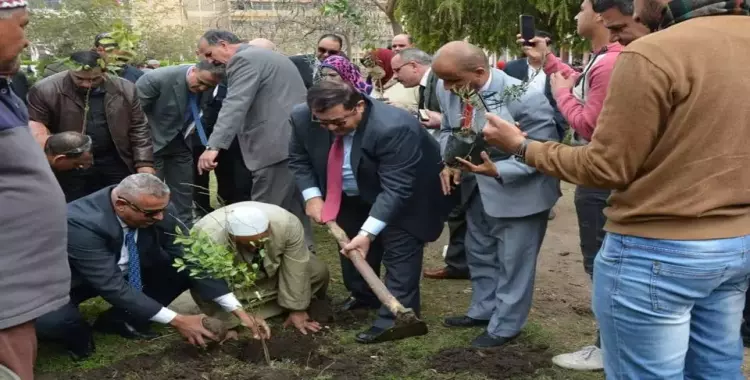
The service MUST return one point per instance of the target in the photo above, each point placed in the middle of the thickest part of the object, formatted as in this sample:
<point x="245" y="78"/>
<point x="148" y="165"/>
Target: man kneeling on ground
<point x="121" y="247"/>
<point x="273" y="239"/>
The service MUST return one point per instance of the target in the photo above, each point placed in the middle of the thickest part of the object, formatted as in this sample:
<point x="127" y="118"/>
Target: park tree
<point x="491" y="24"/>
<point x="73" y="24"/>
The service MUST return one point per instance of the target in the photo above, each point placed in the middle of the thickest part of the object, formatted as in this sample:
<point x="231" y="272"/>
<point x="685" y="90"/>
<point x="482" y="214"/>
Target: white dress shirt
<point x="539" y="80"/>
<point x="228" y="302"/>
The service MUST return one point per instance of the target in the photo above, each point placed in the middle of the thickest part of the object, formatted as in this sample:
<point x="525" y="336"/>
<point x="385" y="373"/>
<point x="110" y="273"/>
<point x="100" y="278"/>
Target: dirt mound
<point x="506" y="362"/>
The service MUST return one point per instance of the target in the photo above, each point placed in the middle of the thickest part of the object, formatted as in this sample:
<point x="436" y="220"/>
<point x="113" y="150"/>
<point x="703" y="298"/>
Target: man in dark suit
<point x="121" y="247"/>
<point x="307" y="64"/>
<point x="171" y="97"/>
<point x="411" y="67"/>
<point x="379" y="171"/>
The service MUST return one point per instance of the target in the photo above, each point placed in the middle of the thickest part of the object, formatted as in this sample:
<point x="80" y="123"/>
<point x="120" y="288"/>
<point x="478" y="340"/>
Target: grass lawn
<point x="560" y="321"/>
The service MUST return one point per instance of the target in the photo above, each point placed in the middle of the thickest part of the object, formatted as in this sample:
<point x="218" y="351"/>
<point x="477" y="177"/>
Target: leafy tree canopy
<point x="491" y="24"/>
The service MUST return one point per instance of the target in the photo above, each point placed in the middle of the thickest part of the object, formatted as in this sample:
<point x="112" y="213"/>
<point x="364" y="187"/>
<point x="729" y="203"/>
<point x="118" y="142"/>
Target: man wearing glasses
<point x="121" y="247"/>
<point x="308" y="64"/>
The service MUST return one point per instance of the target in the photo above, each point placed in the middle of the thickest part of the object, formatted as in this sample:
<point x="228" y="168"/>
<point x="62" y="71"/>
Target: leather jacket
<point x="54" y="101"/>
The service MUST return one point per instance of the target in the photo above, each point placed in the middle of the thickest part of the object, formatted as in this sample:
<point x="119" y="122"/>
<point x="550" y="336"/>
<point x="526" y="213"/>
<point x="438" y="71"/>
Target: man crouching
<point x="273" y="239"/>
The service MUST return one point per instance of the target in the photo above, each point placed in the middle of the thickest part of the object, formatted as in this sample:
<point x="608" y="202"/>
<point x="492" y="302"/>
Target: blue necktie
<point x="193" y="100"/>
<point x="134" y="261"/>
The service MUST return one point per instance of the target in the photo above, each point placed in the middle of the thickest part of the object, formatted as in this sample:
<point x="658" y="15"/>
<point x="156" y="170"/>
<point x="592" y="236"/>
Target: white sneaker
<point x="587" y="359"/>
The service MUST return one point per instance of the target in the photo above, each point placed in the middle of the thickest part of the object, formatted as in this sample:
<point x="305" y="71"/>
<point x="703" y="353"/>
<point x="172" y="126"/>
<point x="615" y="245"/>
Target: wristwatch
<point x="366" y="234"/>
<point x="520" y="152"/>
<point x="211" y="148"/>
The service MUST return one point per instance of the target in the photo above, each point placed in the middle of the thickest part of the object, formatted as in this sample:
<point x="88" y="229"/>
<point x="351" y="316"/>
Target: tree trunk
<point x="395" y="25"/>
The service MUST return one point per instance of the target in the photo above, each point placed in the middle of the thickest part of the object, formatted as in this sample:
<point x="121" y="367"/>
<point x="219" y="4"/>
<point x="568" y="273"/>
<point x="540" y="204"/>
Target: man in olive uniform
<point x="273" y="238"/>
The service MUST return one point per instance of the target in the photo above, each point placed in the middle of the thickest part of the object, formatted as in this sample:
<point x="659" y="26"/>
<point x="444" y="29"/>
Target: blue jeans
<point x="670" y="309"/>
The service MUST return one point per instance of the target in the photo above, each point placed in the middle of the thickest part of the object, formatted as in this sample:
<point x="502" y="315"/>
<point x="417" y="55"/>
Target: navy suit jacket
<point x="519" y="69"/>
<point x="95" y="239"/>
<point x="395" y="161"/>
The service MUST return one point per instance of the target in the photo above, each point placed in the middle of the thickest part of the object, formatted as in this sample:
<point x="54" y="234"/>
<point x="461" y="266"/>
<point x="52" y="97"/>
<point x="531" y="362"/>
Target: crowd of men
<point x="657" y="152"/>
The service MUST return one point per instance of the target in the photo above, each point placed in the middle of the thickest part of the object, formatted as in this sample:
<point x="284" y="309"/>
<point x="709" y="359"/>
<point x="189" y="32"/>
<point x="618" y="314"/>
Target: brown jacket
<point x="54" y="102"/>
<point x="672" y="138"/>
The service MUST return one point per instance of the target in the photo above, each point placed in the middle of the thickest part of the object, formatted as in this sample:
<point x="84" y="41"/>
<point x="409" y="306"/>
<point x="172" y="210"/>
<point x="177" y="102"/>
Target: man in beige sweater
<point x="671" y="141"/>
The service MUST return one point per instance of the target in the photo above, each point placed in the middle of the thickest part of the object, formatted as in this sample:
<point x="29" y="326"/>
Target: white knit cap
<point x="247" y="221"/>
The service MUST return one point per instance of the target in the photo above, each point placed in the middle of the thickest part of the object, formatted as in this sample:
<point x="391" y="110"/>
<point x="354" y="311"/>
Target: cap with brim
<point x="246" y="221"/>
<point x="11" y="4"/>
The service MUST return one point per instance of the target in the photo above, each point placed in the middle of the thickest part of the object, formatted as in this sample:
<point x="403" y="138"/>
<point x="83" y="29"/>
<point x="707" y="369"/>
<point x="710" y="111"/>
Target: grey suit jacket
<point x="164" y="99"/>
<point x="521" y="189"/>
<point x="263" y="88"/>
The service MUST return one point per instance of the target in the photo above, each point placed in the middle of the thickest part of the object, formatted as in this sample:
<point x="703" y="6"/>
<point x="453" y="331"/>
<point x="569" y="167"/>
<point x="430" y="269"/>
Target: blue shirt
<point x="13" y="112"/>
<point x="349" y="186"/>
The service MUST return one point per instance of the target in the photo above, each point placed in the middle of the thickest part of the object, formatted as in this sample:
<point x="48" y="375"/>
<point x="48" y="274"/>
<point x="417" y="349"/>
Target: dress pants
<point x="106" y="171"/>
<point x="174" y="165"/>
<point x="400" y="252"/>
<point x="455" y="256"/>
<point x="66" y="325"/>
<point x="502" y="254"/>
<point x="201" y="193"/>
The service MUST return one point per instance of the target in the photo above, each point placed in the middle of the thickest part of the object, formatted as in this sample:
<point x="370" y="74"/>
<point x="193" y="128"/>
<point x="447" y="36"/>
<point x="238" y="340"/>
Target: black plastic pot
<point x="465" y="144"/>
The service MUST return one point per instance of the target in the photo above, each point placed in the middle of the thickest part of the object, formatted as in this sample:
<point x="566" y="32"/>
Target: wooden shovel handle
<point x="377" y="286"/>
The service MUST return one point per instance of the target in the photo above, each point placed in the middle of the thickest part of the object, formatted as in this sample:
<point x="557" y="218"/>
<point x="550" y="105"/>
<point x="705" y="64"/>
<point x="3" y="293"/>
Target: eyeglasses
<point x="340" y="122"/>
<point x="323" y="50"/>
<point x="146" y="213"/>
<point x="397" y="69"/>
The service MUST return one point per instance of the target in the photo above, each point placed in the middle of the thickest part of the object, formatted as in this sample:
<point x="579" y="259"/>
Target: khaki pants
<point x="18" y="350"/>
<point x="266" y="306"/>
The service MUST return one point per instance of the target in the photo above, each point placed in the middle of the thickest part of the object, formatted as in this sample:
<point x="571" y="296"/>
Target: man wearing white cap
<point x="288" y="275"/>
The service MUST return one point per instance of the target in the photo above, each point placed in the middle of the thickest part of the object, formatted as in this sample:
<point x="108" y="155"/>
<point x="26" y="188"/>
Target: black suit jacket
<point x="395" y="161"/>
<point x="95" y="239"/>
<point x="430" y="93"/>
<point x="519" y="69"/>
<point x="305" y="67"/>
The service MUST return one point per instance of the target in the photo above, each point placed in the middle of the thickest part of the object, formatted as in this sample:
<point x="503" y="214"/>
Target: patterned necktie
<point x="467" y="116"/>
<point x="334" y="180"/>
<point x="134" y="261"/>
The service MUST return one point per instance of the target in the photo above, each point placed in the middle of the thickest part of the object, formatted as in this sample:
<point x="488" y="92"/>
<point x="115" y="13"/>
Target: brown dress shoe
<point x="445" y="273"/>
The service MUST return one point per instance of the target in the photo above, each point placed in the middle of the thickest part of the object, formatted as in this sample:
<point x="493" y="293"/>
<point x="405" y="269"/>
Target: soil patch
<point x="506" y="362"/>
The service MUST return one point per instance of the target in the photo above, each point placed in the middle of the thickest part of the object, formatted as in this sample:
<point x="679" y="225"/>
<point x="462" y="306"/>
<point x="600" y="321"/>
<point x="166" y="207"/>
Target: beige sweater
<point x="673" y="138"/>
<point x="399" y="96"/>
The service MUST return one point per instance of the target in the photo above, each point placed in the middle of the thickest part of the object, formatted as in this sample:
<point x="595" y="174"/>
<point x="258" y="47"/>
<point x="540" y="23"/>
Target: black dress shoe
<point x="488" y="341"/>
<point x="352" y="303"/>
<point x="79" y="342"/>
<point x="380" y="335"/>
<point x="464" y="321"/>
<point x="110" y="325"/>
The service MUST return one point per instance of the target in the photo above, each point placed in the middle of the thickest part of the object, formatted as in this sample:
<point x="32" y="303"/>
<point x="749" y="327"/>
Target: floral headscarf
<point x="348" y="72"/>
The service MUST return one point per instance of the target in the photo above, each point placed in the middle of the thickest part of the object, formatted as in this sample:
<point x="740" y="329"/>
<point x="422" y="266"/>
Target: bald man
<point x="289" y="276"/>
<point x="508" y="201"/>
<point x="263" y="43"/>
<point x="401" y="42"/>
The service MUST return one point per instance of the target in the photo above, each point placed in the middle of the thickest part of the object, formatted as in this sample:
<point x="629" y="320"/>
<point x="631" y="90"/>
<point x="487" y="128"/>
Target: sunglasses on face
<point x="323" y="50"/>
<point x="146" y="213"/>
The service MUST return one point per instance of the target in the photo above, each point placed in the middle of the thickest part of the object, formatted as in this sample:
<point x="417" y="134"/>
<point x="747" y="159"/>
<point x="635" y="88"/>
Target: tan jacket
<point x="398" y="95"/>
<point x="286" y="254"/>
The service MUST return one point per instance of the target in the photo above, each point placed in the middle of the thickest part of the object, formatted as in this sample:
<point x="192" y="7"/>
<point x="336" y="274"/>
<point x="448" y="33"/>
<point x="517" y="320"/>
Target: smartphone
<point x="528" y="31"/>
<point x="423" y="115"/>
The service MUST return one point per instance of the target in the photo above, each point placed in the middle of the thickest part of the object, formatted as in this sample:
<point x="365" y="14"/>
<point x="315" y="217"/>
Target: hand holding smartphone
<point x="528" y="30"/>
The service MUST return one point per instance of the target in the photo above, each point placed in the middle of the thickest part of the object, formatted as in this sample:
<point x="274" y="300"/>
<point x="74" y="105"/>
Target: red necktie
<point x="334" y="180"/>
<point x="467" y="116"/>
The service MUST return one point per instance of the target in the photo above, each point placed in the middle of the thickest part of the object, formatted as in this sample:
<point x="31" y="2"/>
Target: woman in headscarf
<point x="337" y="67"/>
<point x="386" y="88"/>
